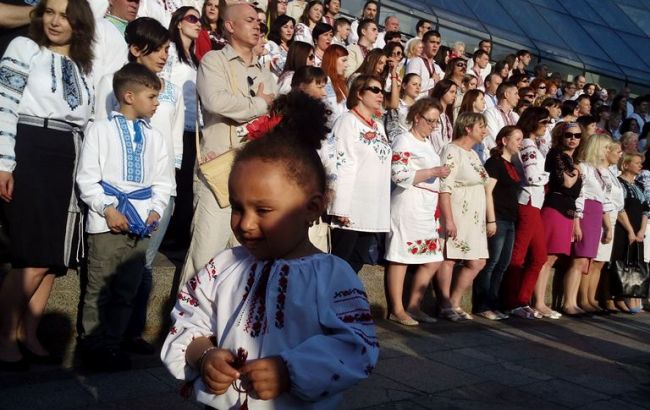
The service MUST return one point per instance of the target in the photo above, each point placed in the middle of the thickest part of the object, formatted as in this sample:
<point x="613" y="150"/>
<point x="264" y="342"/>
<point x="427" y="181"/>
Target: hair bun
<point x="304" y="119"/>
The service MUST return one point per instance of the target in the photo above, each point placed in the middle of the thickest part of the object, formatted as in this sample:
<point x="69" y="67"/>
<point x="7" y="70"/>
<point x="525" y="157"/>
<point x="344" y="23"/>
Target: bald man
<point x="234" y="89"/>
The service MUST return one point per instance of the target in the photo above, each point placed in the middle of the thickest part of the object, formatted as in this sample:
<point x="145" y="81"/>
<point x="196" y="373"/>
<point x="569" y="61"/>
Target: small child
<point x="125" y="178"/>
<point x="274" y="323"/>
<point x="341" y="31"/>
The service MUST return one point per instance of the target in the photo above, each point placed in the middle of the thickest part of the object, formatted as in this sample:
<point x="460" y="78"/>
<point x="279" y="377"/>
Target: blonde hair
<point x="591" y="152"/>
<point x="467" y="120"/>
<point x="410" y="51"/>
<point x="627" y="158"/>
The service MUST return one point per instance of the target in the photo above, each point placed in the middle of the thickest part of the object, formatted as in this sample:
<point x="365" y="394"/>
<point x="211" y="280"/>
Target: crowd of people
<point x="340" y="144"/>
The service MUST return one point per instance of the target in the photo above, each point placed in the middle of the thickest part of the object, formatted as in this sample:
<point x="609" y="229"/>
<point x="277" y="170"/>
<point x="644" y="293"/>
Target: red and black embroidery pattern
<point x="283" y="281"/>
<point x="187" y="298"/>
<point x="256" y="321"/>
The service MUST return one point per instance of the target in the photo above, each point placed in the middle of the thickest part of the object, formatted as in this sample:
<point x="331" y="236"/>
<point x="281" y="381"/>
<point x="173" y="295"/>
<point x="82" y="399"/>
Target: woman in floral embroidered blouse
<point x="463" y="208"/>
<point x="361" y="182"/>
<point x="413" y="236"/>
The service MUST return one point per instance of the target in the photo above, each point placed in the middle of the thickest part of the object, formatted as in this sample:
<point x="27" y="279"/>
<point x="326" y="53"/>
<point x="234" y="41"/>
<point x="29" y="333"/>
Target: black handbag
<point x="630" y="277"/>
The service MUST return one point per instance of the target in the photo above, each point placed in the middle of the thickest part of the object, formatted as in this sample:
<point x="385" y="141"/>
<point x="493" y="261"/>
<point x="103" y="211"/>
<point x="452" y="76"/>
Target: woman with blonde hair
<point x="415" y="47"/>
<point x="614" y="191"/>
<point x="463" y="208"/>
<point x="592" y="207"/>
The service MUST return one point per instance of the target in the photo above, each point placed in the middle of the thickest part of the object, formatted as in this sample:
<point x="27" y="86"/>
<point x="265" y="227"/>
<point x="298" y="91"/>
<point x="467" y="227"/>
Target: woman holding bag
<point x="631" y="224"/>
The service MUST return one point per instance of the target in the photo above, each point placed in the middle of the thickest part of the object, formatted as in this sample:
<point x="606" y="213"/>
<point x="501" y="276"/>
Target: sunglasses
<point x="374" y="90"/>
<point x="191" y="18"/>
<point x="542" y="87"/>
<point x="250" y="81"/>
<point x="574" y="135"/>
<point x="529" y="95"/>
<point x="396" y="53"/>
<point x="461" y="65"/>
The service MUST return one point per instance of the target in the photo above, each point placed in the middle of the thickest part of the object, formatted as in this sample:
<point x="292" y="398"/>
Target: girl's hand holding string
<point x="265" y="378"/>
<point x="217" y="371"/>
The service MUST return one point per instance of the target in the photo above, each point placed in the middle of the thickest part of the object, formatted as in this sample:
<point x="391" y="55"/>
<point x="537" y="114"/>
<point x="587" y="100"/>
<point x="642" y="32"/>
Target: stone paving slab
<point x="591" y="363"/>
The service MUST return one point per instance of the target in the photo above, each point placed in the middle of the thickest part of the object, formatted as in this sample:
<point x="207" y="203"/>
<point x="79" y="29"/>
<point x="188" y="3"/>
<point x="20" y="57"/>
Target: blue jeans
<point x="141" y="300"/>
<point x="488" y="282"/>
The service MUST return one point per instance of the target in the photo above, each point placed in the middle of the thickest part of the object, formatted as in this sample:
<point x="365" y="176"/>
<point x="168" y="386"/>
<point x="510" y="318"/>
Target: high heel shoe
<point x="37" y="359"/>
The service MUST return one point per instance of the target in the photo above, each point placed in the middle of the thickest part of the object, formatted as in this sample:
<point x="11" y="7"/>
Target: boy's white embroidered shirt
<point x="110" y="154"/>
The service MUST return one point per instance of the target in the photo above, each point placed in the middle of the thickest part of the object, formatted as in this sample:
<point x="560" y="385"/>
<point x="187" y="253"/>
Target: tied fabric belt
<point x="137" y="226"/>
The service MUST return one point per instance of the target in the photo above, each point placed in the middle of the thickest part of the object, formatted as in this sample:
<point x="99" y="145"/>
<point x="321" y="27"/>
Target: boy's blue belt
<point x="137" y="226"/>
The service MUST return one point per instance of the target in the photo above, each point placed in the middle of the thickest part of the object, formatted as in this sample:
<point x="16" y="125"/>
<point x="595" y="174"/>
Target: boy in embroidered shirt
<point x="125" y="178"/>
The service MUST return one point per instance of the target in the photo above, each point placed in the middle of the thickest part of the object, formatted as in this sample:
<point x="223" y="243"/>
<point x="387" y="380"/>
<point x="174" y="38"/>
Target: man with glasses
<point x="425" y="66"/>
<point x="499" y="116"/>
<point x="234" y="89"/>
<point x="527" y="93"/>
<point x="569" y="92"/>
<point x="391" y="25"/>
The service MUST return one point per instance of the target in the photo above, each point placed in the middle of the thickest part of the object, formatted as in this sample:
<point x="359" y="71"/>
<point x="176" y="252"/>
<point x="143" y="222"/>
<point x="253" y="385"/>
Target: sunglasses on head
<point x="374" y="90"/>
<point x="191" y="18"/>
<point x="574" y="135"/>
<point x="250" y="81"/>
<point x="545" y="121"/>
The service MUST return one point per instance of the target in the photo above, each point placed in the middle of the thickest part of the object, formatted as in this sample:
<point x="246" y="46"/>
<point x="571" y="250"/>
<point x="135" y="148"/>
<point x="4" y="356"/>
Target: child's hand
<point x="217" y="372"/>
<point x="268" y="377"/>
<point x="115" y="220"/>
<point x="153" y="218"/>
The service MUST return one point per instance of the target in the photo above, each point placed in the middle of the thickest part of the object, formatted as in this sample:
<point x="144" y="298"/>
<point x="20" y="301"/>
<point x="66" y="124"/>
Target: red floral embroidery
<point x="370" y="135"/>
<point x="212" y="269"/>
<point x="256" y="322"/>
<point x="173" y="330"/>
<point x="187" y="298"/>
<point x="402" y="157"/>
<point x="423" y="247"/>
<point x="283" y="281"/>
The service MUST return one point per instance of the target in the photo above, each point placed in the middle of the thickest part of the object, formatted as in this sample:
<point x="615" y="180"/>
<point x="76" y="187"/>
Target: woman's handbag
<point x="216" y="172"/>
<point x="630" y="277"/>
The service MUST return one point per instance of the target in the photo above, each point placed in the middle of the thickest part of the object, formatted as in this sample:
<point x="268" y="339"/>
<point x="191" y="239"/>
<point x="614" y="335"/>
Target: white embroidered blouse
<point x="38" y="82"/>
<point x="362" y="175"/>
<point x="594" y="187"/>
<point x="313" y="312"/>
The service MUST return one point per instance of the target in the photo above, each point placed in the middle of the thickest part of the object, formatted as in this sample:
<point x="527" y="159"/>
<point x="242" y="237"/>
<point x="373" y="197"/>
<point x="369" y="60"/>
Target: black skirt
<point x="43" y="217"/>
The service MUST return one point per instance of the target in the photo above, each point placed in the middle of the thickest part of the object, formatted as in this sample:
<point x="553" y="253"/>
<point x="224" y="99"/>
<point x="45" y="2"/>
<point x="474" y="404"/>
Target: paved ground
<point x="600" y="362"/>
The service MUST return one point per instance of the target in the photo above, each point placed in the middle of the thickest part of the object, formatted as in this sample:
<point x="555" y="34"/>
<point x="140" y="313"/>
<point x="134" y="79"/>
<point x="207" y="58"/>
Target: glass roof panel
<point x="613" y="46"/>
<point x="640" y="17"/>
<point x="614" y="16"/>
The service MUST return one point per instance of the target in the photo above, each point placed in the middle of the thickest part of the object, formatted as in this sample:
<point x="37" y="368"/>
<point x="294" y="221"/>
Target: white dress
<point x="361" y="180"/>
<point x="313" y="312"/>
<point x="413" y="236"/>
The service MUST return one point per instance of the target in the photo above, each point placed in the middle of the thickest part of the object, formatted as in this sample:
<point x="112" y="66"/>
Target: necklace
<point x="369" y="122"/>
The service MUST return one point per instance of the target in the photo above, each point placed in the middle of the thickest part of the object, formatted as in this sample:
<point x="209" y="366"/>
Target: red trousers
<point x="528" y="258"/>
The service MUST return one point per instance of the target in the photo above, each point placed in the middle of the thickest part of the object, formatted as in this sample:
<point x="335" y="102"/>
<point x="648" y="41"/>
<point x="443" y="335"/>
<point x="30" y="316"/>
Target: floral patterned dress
<point x="413" y="236"/>
<point x="466" y="184"/>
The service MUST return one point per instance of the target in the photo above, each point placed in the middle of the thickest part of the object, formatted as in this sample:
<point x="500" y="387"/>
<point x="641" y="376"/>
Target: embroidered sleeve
<point x="451" y="160"/>
<point x="178" y="125"/>
<point x="580" y="201"/>
<point x="402" y="174"/>
<point x="608" y="204"/>
<point x="644" y="181"/>
<point x="163" y="179"/>
<point x="192" y="317"/>
<point x="15" y="67"/>
<point x="89" y="173"/>
<point x="532" y="162"/>
<point x="346" y="166"/>
<point x="348" y="349"/>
